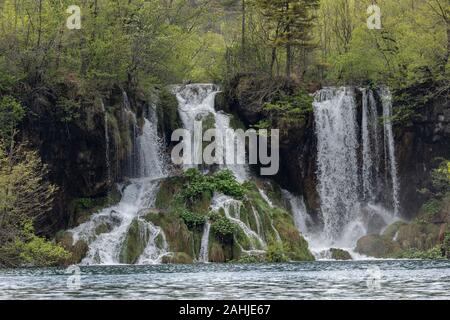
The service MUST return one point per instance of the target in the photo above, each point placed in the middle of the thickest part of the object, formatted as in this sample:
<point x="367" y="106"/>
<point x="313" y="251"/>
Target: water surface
<point x="386" y="279"/>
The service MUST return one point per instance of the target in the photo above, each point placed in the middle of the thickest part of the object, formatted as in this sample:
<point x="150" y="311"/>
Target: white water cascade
<point x="204" y="246"/>
<point x="232" y="209"/>
<point x="337" y="144"/>
<point x="349" y="197"/>
<point x="105" y="246"/>
<point x="390" y="146"/>
<point x="196" y="103"/>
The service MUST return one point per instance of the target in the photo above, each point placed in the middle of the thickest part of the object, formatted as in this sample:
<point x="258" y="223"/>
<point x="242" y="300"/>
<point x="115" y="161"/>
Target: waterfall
<point x="106" y="231"/>
<point x="196" y="103"/>
<point x="299" y="212"/>
<point x="390" y="146"/>
<point x="349" y="198"/>
<point x="204" y="247"/>
<point x="337" y="145"/>
<point x="232" y="208"/>
<point x="370" y="146"/>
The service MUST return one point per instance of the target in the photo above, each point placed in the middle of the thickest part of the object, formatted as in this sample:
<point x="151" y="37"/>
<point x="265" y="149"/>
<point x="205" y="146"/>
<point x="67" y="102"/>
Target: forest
<point x="60" y="58"/>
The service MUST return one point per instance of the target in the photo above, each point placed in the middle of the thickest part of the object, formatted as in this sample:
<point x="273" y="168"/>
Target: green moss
<point x="81" y="209"/>
<point x="177" y="258"/>
<point x="178" y="236"/>
<point x="208" y="122"/>
<point x="339" y="254"/>
<point x="392" y="229"/>
<point x="435" y="253"/>
<point x="377" y="246"/>
<point x="167" y="111"/>
<point x="78" y="250"/>
<point x="419" y="235"/>
<point x="432" y="207"/>
<point x="167" y="194"/>
<point x="276" y="252"/>
<point x="135" y="242"/>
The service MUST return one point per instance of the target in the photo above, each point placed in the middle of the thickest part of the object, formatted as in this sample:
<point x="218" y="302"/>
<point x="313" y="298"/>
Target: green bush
<point x="33" y="250"/>
<point x="226" y="183"/>
<point x="223" y="227"/>
<point x="192" y="220"/>
<point x="432" y="254"/>
<point x="276" y="253"/>
<point x="223" y="181"/>
<point x="432" y="207"/>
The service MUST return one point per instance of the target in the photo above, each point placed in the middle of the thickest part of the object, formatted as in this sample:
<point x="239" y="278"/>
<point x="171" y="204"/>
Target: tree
<point x="294" y="21"/>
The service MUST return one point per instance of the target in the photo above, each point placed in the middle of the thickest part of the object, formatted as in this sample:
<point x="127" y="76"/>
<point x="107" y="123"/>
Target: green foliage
<point x="223" y="228"/>
<point x="276" y="252"/>
<point x="440" y="178"/>
<point x="286" y="110"/>
<point x="432" y="207"/>
<point x="432" y="254"/>
<point x="11" y="114"/>
<point x="31" y="250"/>
<point x="225" y="182"/>
<point x="192" y="220"/>
<point x="68" y="110"/>
<point x="222" y="181"/>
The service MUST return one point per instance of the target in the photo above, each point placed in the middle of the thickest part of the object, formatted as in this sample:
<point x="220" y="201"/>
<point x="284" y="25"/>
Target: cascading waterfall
<point x="337" y="162"/>
<point x="370" y="146"/>
<point x="232" y="209"/>
<point x="204" y="247"/>
<point x="386" y="98"/>
<point x="105" y="246"/>
<point x="196" y="103"/>
<point x="349" y="198"/>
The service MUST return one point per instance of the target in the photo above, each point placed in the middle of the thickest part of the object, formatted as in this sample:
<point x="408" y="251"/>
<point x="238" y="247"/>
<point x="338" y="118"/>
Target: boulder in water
<point x="177" y="258"/>
<point x="135" y="242"/>
<point x="340" y="254"/>
<point x="377" y="246"/>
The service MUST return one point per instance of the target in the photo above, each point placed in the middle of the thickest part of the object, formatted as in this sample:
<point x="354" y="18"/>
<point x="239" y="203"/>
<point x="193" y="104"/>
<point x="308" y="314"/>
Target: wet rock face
<point x="339" y="254"/>
<point x="419" y="146"/>
<point x="68" y="130"/>
<point x="377" y="246"/>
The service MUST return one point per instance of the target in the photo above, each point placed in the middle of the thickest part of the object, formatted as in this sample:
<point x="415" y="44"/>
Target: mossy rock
<point x="78" y="250"/>
<point x="377" y="246"/>
<point x="104" y="227"/>
<point x="167" y="111"/>
<point x="135" y="242"/>
<point x="177" y="258"/>
<point x="296" y="245"/>
<point x="81" y="209"/>
<point x="223" y="252"/>
<point x="392" y="229"/>
<point x="418" y="235"/>
<point x="168" y="189"/>
<point x="339" y="254"/>
<point x="179" y="238"/>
